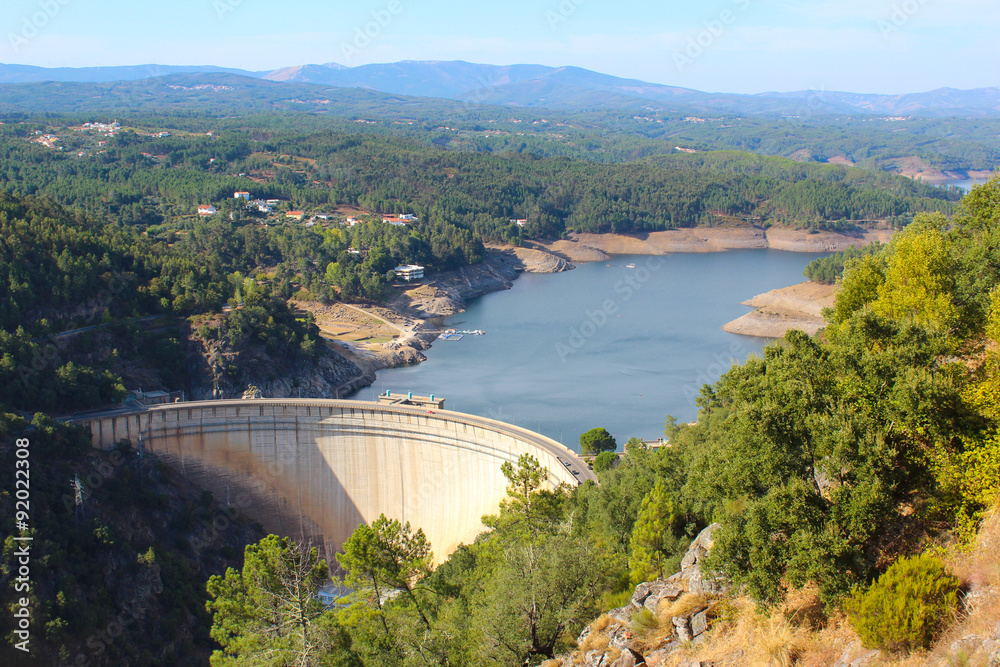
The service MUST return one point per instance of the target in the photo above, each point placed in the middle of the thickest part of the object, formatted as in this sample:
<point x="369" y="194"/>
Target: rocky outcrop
<point x="795" y="307"/>
<point x="649" y="594"/>
<point x="979" y="649"/>
<point x="221" y="373"/>
<point x="856" y="655"/>
<point x="691" y="576"/>
<point x="534" y="258"/>
<point x="449" y="291"/>
<point x="661" y="618"/>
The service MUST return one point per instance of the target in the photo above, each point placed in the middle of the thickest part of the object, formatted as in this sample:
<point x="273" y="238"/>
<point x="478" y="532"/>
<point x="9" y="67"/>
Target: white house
<point x="244" y="195"/>
<point x="402" y="219"/>
<point x="409" y="272"/>
<point x="207" y="209"/>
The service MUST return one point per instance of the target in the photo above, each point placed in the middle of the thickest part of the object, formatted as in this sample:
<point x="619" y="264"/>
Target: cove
<point x="601" y="345"/>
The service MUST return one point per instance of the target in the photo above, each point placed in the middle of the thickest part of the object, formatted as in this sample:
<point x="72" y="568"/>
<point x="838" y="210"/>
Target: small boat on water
<point x="630" y="266"/>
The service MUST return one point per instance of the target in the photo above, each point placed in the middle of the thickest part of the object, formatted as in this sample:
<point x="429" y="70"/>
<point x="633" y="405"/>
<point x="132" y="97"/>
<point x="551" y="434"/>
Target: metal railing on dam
<point x="314" y="469"/>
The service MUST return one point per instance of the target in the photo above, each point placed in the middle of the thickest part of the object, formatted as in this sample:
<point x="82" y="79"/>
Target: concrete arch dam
<point x="315" y="469"/>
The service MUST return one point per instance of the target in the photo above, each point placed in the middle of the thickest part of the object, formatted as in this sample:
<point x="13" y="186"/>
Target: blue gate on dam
<point x="314" y="469"/>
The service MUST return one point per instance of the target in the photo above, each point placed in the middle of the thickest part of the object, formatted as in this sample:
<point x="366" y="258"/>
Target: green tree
<point x="537" y="599"/>
<point x="605" y="461"/>
<point x="918" y="279"/>
<point x="597" y="440"/>
<point x="861" y="281"/>
<point x="385" y="563"/>
<point x="267" y="613"/>
<point x="653" y="541"/>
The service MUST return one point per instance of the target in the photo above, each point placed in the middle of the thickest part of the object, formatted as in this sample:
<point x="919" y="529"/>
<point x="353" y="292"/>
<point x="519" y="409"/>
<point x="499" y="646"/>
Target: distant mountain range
<point x="539" y="86"/>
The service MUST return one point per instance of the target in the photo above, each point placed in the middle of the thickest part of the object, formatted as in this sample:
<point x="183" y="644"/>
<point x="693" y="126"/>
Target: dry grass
<point x="601" y="623"/>
<point x="780" y="643"/>
<point x="682" y="605"/>
<point x="595" y="641"/>
<point x="746" y="638"/>
<point x="802" y="608"/>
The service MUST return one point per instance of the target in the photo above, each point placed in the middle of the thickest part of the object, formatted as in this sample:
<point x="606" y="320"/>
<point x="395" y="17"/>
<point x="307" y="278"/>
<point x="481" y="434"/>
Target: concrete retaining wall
<point x="316" y="469"/>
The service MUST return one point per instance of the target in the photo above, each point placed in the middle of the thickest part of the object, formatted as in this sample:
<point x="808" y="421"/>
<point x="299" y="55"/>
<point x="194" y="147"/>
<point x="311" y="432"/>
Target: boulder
<point x="682" y="628"/>
<point x="628" y="658"/>
<point x="691" y="575"/>
<point x="649" y="594"/>
<point x="692" y="624"/>
<point x="660" y="655"/>
<point x="699" y="623"/>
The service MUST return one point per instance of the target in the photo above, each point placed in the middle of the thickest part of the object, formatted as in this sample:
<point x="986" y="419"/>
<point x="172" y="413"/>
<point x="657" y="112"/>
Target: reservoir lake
<point x="601" y="345"/>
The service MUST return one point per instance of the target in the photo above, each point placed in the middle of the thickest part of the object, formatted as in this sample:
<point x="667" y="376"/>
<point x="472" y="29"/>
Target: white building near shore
<point x="409" y="272"/>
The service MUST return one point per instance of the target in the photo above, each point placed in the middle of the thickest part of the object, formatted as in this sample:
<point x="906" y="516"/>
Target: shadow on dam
<point x="313" y="470"/>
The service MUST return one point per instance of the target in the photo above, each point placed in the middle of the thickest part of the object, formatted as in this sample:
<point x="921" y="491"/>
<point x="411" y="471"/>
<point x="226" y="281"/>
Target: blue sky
<point x="747" y="46"/>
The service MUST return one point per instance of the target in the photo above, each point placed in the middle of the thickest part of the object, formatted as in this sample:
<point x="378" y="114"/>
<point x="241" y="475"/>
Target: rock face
<point x="535" y="259"/>
<point x="796" y="307"/>
<point x="691" y="575"/>
<point x="689" y="624"/>
<point x="449" y="291"/>
<point x="222" y="375"/>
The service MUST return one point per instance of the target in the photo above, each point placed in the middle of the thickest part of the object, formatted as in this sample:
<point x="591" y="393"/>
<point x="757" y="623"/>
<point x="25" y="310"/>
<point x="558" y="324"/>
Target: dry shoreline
<point x="597" y="247"/>
<point x="395" y="334"/>
<point x="795" y="307"/>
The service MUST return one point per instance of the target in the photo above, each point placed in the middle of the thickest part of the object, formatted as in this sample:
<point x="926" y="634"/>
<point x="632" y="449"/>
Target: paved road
<point x="567" y="457"/>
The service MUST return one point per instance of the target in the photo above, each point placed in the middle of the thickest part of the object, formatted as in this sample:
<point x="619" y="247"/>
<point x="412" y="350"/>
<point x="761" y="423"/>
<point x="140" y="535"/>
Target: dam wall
<point x="313" y="469"/>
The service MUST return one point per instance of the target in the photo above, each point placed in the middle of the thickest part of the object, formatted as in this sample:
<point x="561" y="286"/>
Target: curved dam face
<point x="314" y="469"/>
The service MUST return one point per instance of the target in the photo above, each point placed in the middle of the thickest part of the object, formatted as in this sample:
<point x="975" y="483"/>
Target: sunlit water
<point x="601" y="345"/>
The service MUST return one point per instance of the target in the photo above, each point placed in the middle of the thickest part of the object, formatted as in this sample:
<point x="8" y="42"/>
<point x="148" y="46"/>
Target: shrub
<point x="605" y="461"/>
<point x="906" y="607"/>
<point x="644" y="621"/>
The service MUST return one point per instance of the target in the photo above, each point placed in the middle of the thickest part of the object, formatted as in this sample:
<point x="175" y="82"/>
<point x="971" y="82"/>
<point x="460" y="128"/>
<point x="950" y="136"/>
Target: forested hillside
<point x="825" y="460"/>
<point x="141" y="178"/>
<point x="66" y="270"/>
<point x="118" y="580"/>
<point x="809" y="128"/>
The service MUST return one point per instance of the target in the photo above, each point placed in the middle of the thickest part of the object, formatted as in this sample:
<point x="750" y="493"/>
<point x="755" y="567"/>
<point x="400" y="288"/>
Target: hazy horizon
<point x="735" y="46"/>
<point x="153" y="72"/>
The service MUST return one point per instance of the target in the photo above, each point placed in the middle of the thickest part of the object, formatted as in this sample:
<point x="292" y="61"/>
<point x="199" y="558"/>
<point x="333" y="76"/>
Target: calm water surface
<point x="968" y="183"/>
<point x="601" y="345"/>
